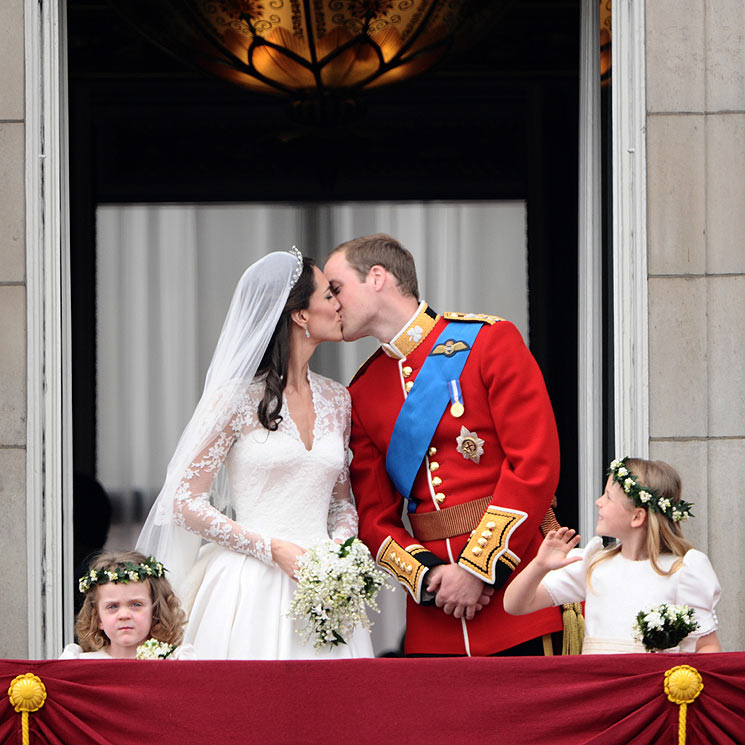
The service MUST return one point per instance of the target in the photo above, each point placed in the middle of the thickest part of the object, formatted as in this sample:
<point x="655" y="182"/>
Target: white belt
<point x="605" y="645"/>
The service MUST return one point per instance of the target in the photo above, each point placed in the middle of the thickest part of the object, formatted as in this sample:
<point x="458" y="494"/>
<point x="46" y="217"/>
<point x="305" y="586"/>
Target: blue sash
<point x="425" y="405"/>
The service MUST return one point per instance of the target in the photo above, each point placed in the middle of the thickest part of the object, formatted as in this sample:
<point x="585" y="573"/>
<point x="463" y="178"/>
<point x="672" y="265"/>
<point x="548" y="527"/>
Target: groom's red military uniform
<point x="480" y="495"/>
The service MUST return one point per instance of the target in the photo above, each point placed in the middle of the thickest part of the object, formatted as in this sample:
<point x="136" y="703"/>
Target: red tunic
<point x="506" y="406"/>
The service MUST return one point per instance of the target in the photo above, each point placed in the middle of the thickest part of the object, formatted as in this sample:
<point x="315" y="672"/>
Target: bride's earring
<point x="307" y="333"/>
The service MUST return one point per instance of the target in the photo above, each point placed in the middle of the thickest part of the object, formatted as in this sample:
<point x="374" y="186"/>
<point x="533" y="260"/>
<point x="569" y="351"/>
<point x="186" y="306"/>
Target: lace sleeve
<point x="342" y="519"/>
<point x="192" y="508"/>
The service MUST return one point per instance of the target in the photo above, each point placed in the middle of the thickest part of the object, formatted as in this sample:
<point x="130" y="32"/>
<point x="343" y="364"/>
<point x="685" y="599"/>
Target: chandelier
<point x="307" y="50"/>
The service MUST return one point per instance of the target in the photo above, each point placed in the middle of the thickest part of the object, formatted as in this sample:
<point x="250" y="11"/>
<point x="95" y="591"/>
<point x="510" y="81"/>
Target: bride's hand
<point x="285" y="555"/>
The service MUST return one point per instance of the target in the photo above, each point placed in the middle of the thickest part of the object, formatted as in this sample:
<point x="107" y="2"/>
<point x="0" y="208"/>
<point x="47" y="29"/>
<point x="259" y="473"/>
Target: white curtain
<point x="165" y="276"/>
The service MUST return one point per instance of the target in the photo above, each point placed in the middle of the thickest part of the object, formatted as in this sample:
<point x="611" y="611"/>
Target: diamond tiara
<point x="299" y="268"/>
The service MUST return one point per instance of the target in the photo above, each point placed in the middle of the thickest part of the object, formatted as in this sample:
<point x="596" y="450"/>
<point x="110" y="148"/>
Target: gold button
<point x="482" y="542"/>
<point x="436" y="481"/>
<point x="409" y="385"/>
<point x="486" y="533"/>
<point x="440" y="497"/>
<point x="476" y="551"/>
<point x="491" y="525"/>
<point x="434" y="465"/>
<point x="407" y="371"/>
<point x="432" y="451"/>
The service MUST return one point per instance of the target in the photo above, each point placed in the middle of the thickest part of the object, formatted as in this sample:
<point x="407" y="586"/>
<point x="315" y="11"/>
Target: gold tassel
<point x="683" y="683"/>
<point x="27" y="694"/>
<point x="574" y="628"/>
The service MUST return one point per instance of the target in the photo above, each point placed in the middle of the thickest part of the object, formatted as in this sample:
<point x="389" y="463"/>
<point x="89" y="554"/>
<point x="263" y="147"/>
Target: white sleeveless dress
<point x="237" y="599"/>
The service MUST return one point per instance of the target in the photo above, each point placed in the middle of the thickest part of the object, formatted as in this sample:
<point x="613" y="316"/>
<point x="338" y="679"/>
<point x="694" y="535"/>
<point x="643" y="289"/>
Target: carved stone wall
<point x="695" y="61"/>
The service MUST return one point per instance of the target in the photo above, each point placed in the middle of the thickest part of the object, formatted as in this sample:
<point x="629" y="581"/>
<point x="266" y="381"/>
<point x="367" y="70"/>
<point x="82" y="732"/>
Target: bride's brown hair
<point x="276" y="358"/>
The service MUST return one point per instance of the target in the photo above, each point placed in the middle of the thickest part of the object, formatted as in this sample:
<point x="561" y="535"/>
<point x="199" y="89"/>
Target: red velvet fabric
<point x="513" y="701"/>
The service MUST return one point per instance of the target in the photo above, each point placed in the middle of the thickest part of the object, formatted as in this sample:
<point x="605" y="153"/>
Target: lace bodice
<point x="278" y="487"/>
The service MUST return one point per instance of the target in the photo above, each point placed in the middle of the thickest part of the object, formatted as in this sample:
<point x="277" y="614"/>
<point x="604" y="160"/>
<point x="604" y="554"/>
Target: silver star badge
<point x="470" y="445"/>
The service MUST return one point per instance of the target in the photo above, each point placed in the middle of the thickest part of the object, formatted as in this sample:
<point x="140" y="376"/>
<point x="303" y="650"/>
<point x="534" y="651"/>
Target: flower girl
<point x="650" y="564"/>
<point x="130" y="611"/>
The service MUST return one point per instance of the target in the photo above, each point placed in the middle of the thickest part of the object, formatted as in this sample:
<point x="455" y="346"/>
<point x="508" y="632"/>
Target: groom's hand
<point x="458" y="592"/>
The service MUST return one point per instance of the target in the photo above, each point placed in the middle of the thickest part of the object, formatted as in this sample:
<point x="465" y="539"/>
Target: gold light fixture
<point x="606" y="13"/>
<point x="307" y="50"/>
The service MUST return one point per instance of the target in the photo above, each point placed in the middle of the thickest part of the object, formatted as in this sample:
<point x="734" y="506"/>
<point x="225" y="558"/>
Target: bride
<point x="260" y="472"/>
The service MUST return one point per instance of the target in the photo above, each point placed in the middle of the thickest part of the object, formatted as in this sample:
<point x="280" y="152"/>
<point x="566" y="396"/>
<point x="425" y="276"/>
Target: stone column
<point x="13" y="576"/>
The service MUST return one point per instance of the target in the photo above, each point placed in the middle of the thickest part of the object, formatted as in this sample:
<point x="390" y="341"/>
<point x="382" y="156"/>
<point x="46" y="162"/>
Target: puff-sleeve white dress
<point x="237" y="599"/>
<point x="621" y="588"/>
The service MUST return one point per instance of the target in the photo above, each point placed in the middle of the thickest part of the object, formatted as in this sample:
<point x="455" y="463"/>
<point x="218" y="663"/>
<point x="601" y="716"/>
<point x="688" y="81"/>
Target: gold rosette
<point x="683" y="684"/>
<point x="27" y="694"/>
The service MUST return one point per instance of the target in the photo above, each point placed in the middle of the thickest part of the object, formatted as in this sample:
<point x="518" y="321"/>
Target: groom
<point x="452" y="423"/>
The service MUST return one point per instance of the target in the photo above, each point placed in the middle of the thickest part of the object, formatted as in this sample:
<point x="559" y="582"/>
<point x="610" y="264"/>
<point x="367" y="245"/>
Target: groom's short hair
<point x="379" y="249"/>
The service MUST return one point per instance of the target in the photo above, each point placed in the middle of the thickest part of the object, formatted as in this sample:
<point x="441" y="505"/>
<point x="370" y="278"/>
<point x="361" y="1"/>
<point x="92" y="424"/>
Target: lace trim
<point x="192" y="508"/>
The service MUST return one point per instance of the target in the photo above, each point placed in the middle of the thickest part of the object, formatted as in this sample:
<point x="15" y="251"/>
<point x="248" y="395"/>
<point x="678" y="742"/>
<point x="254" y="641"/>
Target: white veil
<point x="254" y="311"/>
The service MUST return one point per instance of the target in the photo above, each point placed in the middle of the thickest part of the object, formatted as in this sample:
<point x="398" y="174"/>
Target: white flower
<point x="415" y="333"/>
<point x="152" y="649"/>
<point x="654" y="619"/>
<point x="616" y="464"/>
<point x="335" y="585"/>
<point x="627" y="484"/>
<point x="645" y="496"/>
<point x="664" y="626"/>
<point x="663" y="503"/>
<point x="623" y="472"/>
<point x="638" y="631"/>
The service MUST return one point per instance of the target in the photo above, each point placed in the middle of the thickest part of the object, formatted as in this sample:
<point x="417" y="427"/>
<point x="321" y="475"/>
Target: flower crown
<point x="127" y="571"/>
<point x="645" y="496"/>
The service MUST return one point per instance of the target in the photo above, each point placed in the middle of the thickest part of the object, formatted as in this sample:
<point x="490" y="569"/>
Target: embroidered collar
<point x="413" y="333"/>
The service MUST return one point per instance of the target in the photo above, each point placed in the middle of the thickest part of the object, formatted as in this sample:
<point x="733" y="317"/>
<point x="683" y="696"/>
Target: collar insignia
<point x="413" y="334"/>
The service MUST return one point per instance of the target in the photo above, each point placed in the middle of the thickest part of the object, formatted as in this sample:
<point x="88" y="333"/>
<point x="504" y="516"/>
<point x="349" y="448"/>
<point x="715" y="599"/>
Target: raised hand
<point x="552" y="553"/>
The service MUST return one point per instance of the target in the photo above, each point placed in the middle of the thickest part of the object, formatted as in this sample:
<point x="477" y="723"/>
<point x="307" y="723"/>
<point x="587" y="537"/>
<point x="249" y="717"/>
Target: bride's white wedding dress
<point x="237" y="599"/>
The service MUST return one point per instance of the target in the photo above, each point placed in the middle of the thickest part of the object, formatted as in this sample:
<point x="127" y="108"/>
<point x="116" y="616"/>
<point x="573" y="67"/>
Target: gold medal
<point x="456" y="399"/>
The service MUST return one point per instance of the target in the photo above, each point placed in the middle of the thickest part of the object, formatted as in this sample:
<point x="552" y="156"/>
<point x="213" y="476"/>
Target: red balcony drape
<point x="511" y="701"/>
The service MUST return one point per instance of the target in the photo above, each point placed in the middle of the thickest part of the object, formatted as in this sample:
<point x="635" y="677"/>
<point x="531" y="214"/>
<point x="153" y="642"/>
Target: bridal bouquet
<point x="153" y="649"/>
<point x="335" y="585"/>
<point x="664" y="626"/>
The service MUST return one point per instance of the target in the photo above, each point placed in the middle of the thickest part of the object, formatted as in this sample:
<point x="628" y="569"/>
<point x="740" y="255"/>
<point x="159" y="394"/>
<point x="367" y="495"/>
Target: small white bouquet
<point x="153" y="649"/>
<point x="335" y="583"/>
<point x="664" y="626"/>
